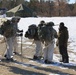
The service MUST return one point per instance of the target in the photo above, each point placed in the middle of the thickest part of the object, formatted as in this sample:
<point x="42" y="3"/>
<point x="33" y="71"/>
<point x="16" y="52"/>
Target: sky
<point x="71" y="1"/>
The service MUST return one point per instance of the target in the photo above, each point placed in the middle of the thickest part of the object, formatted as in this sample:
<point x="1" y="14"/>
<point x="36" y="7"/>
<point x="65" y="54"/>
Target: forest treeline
<point x="49" y="8"/>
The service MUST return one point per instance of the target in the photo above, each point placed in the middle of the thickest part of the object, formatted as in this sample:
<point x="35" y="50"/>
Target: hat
<point x="62" y="23"/>
<point x="42" y="22"/>
<point x="15" y="18"/>
<point x="50" y="23"/>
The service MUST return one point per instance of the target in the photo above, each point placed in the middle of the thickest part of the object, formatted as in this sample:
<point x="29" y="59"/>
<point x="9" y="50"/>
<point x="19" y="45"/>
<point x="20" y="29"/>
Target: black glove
<point x="21" y="30"/>
<point x="26" y="34"/>
<point x="21" y="34"/>
<point x="57" y="43"/>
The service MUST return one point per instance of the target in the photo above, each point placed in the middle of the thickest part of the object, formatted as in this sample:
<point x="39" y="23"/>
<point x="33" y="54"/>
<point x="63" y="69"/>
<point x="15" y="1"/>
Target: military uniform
<point x="62" y="42"/>
<point x="8" y="33"/>
<point x="49" y="49"/>
<point x="15" y="45"/>
<point x="15" y="20"/>
<point x="39" y="51"/>
<point x="11" y="39"/>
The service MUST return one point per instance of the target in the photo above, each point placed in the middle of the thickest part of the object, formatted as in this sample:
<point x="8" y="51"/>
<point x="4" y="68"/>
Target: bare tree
<point x="10" y="3"/>
<point x="74" y="10"/>
<point x="61" y="7"/>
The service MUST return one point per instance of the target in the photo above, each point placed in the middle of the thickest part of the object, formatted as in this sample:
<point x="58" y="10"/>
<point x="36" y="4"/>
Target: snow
<point x="70" y="22"/>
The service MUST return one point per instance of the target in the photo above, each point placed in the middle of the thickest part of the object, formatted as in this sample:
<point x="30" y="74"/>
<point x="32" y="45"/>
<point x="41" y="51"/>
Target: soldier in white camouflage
<point x="11" y="38"/>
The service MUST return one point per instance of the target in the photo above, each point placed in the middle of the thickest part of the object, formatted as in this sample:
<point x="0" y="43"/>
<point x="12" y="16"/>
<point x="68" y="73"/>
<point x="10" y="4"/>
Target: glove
<point x="26" y="34"/>
<point x="57" y="43"/>
<point x="21" y="30"/>
<point x="21" y="34"/>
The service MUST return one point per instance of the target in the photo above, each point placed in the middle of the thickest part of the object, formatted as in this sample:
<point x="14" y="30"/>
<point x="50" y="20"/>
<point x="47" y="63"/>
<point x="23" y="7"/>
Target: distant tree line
<point x="49" y="8"/>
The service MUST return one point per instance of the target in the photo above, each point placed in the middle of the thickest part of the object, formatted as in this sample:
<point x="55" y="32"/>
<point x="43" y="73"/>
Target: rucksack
<point x="1" y="32"/>
<point x="2" y="21"/>
<point x="46" y="33"/>
<point x="2" y="28"/>
<point x="31" y="32"/>
<point x="7" y="29"/>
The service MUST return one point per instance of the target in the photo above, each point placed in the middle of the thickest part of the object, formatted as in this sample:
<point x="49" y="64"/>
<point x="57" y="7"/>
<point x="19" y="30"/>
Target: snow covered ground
<point x="70" y="22"/>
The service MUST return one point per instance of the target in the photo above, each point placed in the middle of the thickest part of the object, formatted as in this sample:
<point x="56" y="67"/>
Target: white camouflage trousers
<point x="39" y="51"/>
<point x="48" y="52"/>
<point x="15" y="44"/>
<point x="9" y="51"/>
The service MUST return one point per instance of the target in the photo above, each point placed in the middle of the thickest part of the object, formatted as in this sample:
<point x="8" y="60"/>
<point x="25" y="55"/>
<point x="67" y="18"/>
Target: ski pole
<point x="21" y="49"/>
<point x="30" y="45"/>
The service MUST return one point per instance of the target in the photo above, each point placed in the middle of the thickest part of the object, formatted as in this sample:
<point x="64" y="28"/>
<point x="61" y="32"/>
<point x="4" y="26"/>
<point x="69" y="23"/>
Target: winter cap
<point x="42" y="22"/>
<point x="50" y="23"/>
<point x="61" y="25"/>
<point x="15" y="18"/>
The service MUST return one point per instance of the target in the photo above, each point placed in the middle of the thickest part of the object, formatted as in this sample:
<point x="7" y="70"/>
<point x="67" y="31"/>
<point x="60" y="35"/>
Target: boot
<point x="46" y="61"/>
<point x="62" y="59"/>
<point x="66" y="60"/>
<point x="35" y="57"/>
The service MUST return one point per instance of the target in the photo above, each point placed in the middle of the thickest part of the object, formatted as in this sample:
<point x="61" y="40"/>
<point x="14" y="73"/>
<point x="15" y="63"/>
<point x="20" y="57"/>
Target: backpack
<point x="31" y="32"/>
<point x="46" y="33"/>
<point x="2" y="28"/>
<point x="1" y="32"/>
<point x="2" y="21"/>
<point x="7" y="29"/>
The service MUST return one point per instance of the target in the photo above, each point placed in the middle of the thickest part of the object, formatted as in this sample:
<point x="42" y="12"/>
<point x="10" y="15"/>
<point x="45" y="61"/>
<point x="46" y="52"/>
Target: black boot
<point x="35" y="57"/>
<point x="66" y="60"/>
<point x="5" y="55"/>
<point x="62" y="59"/>
<point x="46" y="61"/>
